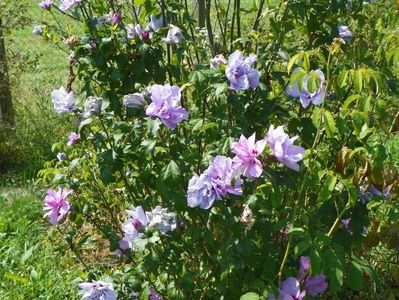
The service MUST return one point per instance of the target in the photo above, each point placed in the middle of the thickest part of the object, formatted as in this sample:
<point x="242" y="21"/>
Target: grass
<point x="31" y="265"/>
<point x="36" y="67"/>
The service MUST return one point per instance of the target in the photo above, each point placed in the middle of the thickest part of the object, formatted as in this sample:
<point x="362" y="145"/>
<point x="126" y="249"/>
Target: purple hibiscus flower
<point x="174" y="36"/>
<point x="67" y="4"/>
<point x="157" y="23"/>
<point x="247" y="151"/>
<point x="47" y="4"/>
<point x="166" y="105"/>
<point x="316" y="285"/>
<point x="240" y="73"/>
<point x="305" y="95"/>
<point x="290" y="290"/>
<point x="116" y="18"/>
<point x="63" y="101"/>
<point x="214" y="184"/>
<point x="345" y="33"/>
<point x="304" y="265"/>
<point x="73" y="138"/>
<point x="135" y="224"/>
<point x="283" y="147"/>
<point x="56" y="206"/>
<point x="100" y="290"/>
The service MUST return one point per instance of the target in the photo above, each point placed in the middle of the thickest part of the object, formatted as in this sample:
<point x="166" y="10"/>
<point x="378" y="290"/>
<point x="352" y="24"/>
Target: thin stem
<point x="336" y="222"/>
<point x="209" y="26"/>
<point x="395" y="121"/>
<point x="258" y="15"/>
<point x="192" y="33"/>
<point x="238" y="6"/>
<point x="220" y="23"/>
<point x="232" y="26"/>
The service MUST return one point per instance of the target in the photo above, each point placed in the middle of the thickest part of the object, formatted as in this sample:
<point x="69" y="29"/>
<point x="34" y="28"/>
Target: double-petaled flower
<point x="166" y="105"/>
<point x="214" y="184"/>
<point x="240" y="71"/>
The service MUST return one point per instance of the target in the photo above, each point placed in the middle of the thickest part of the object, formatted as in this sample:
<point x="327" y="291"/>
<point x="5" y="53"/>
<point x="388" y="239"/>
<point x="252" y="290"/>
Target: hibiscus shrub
<point x="222" y="146"/>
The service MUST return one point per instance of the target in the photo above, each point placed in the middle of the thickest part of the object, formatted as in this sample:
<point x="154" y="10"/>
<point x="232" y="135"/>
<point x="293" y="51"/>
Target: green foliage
<point x="125" y="159"/>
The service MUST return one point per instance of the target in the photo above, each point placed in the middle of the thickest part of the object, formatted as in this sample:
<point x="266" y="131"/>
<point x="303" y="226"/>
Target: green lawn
<point x="31" y="266"/>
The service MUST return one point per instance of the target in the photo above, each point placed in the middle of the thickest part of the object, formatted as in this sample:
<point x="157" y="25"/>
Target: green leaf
<point x="327" y="188"/>
<point x="355" y="276"/>
<point x="358" y="80"/>
<point x="329" y="123"/>
<point x="352" y="191"/>
<point x="342" y="78"/>
<point x="350" y="100"/>
<point x="293" y="60"/>
<point x="316" y="117"/>
<point x="250" y="296"/>
<point x="171" y="171"/>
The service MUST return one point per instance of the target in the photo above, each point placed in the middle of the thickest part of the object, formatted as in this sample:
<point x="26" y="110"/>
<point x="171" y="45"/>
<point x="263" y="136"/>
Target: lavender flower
<point x="214" y="184"/>
<point x="166" y="105"/>
<point x="67" y="4"/>
<point x="345" y="33"/>
<point x="316" y="285"/>
<point x="200" y="192"/>
<point x="161" y="219"/>
<point x="290" y="290"/>
<point x="157" y="23"/>
<point x="240" y="72"/>
<point x="116" y="18"/>
<point x="131" y="31"/>
<point x="304" y="265"/>
<point x="135" y="224"/>
<point x="247" y="151"/>
<point x="61" y="156"/>
<point x="98" y="290"/>
<point x="217" y="61"/>
<point x="174" y="36"/>
<point x="73" y="139"/>
<point x="46" y="4"/>
<point x="92" y="106"/>
<point x="63" y="101"/>
<point x="283" y="147"/>
<point x="56" y="206"/>
<point x="345" y="223"/>
<point x="37" y="30"/>
<point x="133" y="100"/>
<point x="154" y="295"/>
<point x="306" y="97"/>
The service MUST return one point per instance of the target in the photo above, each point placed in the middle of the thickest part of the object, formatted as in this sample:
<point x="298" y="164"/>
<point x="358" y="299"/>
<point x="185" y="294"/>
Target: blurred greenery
<point x="33" y="75"/>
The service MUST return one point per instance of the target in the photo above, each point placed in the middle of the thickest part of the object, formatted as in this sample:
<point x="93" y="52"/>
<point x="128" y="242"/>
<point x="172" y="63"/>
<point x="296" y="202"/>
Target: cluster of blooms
<point x="290" y="288"/>
<point x="305" y="96"/>
<point x="166" y="105"/>
<point x="217" y="181"/>
<point x="56" y="206"/>
<point x="136" y="30"/>
<point x="138" y="220"/>
<point x="98" y="290"/>
<point x="240" y="73"/>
